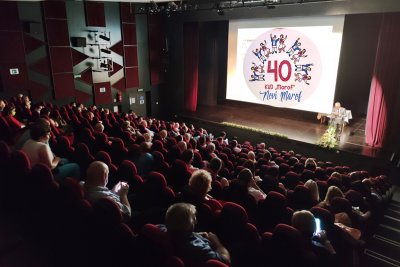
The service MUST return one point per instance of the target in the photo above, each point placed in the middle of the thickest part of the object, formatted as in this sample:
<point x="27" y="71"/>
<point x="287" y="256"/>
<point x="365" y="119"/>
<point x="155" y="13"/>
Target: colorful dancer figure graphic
<point x="304" y="68"/>
<point x="282" y="46"/>
<point x="295" y="47"/>
<point x="296" y="57"/>
<point x="265" y="51"/>
<point x="302" y="78"/>
<point x="274" y="43"/>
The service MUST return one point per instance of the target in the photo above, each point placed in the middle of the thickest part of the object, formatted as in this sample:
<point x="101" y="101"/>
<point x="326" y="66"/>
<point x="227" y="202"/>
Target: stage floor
<point x="299" y="126"/>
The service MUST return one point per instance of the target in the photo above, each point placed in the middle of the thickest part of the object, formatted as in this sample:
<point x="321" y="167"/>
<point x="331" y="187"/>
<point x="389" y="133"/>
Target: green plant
<point x="257" y="130"/>
<point x="328" y="139"/>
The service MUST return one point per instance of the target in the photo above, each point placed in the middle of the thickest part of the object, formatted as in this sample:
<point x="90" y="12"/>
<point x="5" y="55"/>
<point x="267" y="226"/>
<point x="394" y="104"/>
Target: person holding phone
<point x="195" y="249"/>
<point x="96" y="187"/>
<point x="316" y="238"/>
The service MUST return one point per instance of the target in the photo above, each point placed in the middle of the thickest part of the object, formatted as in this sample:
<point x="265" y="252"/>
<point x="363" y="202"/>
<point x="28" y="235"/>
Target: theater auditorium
<point x="200" y="133"/>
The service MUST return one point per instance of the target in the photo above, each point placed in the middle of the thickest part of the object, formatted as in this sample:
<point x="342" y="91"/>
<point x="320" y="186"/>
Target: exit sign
<point x="14" y="71"/>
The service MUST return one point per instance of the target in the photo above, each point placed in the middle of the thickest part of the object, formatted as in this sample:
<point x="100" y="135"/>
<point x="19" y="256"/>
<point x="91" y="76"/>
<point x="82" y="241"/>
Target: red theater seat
<point x="239" y="236"/>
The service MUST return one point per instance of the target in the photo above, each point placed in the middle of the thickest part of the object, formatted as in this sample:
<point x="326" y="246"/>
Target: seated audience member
<point x="147" y="137"/>
<point x="224" y="139"/>
<point x="252" y="167"/>
<point x="215" y="167"/>
<point x="246" y="179"/>
<point x="333" y="192"/>
<point x="99" y="127"/>
<point x="187" y="137"/>
<point x="268" y="157"/>
<point x="251" y="156"/>
<point x="261" y="148"/>
<point x="304" y="221"/>
<point x="9" y="116"/>
<point x="211" y="150"/>
<point x="45" y="113"/>
<point x="23" y="111"/>
<point x="96" y="187"/>
<point x="145" y="162"/>
<point x="35" y="114"/>
<point x="310" y="164"/>
<point x="163" y="135"/>
<point x="197" y="190"/>
<point x="187" y="157"/>
<point x="126" y="126"/>
<point x="182" y="146"/>
<point x="38" y="151"/>
<point x="235" y="147"/>
<point x="195" y="249"/>
<point x="312" y="185"/>
<point x="2" y="106"/>
<point x="147" y="130"/>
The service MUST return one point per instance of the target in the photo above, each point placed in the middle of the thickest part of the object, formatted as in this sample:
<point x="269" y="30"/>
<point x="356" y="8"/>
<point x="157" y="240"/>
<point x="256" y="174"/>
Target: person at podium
<point x="337" y="119"/>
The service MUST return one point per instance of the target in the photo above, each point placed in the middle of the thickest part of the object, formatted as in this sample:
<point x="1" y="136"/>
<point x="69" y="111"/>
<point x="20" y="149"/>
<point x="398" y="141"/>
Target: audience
<point x="207" y="161"/>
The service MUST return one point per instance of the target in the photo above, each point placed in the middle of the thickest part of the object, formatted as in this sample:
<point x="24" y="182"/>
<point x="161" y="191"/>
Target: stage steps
<point x="383" y="248"/>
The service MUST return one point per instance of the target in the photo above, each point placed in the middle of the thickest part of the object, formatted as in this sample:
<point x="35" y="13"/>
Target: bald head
<point x="99" y="127"/>
<point x="97" y="174"/>
<point x="182" y="146"/>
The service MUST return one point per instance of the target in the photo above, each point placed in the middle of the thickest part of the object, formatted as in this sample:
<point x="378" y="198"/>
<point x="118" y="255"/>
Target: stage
<point x="296" y="125"/>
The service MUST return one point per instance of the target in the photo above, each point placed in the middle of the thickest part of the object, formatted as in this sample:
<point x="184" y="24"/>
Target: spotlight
<point x="105" y="51"/>
<point x="220" y="11"/>
<point x="105" y="38"/>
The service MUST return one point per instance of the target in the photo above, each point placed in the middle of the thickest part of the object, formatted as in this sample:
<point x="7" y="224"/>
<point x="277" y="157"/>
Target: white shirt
<point x="32" y="148"/>
<point x="257" y="194"/>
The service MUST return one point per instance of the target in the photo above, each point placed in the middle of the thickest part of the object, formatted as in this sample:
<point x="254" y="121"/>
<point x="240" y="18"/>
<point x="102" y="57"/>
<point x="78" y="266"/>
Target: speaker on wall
<point x="78" y="41"/>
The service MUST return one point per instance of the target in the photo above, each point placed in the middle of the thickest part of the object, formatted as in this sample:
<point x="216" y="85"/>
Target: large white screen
<point x="322" y="36"/>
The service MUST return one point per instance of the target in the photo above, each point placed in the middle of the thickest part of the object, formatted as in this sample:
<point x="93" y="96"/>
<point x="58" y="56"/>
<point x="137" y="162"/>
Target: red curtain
<point x="191" y="64"/>
<point x="382" y="125"/>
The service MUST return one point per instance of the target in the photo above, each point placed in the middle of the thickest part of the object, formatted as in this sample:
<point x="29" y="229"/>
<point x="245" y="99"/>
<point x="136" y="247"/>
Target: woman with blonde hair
<point x="333" y="192"/>
<point x="312" y="185"/>
<point x="310" y="164"/>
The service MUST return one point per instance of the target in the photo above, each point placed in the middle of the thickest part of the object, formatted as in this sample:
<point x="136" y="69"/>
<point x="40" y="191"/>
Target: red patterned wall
<point x="57" y="34"/>
<point x="12" y="50"/>
<point x="128" y="23"/>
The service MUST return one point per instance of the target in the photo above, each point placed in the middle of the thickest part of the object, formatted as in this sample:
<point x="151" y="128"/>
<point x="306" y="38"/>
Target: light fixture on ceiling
<point x="105" y="38"/>
<point x="220" y="11"/>
<point x="104" y="50"/>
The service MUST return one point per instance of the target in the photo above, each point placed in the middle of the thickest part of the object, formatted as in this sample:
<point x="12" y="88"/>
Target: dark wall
<point x="36" y="40"/>
<point x="357" y="57"/>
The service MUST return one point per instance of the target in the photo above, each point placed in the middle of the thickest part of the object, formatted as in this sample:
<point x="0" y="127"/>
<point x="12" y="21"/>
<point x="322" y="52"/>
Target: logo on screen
<point x="282" y="67"/>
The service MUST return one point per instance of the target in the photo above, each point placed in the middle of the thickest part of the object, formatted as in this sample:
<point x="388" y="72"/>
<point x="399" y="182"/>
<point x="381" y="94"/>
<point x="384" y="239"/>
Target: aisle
<point x="383" y="249"/>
